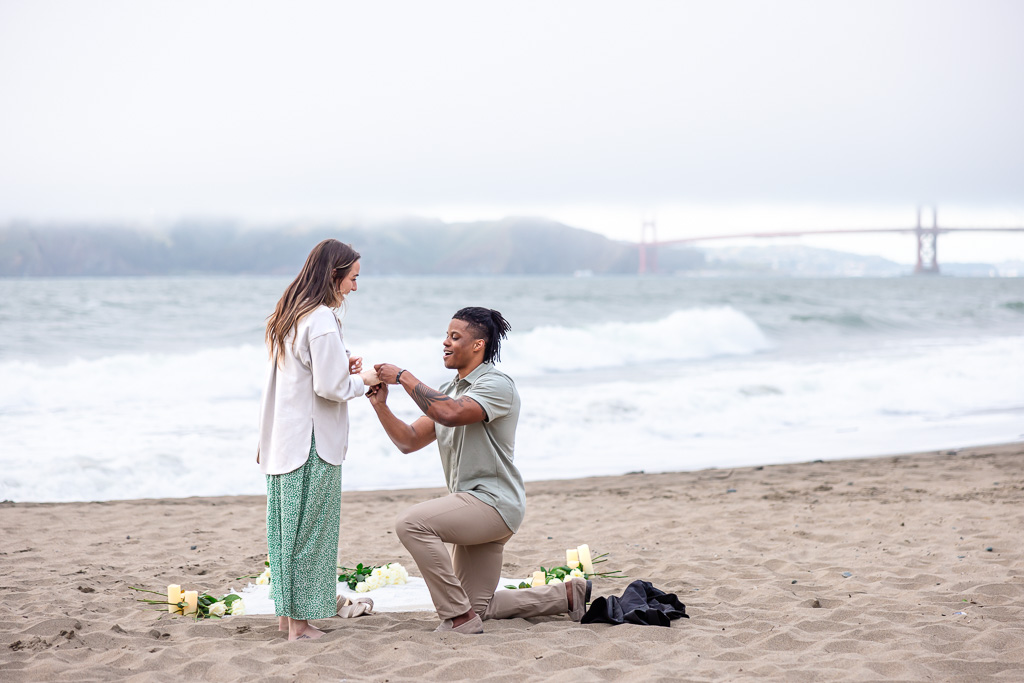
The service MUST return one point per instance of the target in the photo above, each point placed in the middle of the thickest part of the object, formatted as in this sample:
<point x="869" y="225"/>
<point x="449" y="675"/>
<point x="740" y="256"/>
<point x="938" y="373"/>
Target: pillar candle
<point x="191" y="602"/>
<point x="586" y="563"/>
<point x="572" y="558"/>
<point x="539" y="579"/>
<point x="173" y="597"/>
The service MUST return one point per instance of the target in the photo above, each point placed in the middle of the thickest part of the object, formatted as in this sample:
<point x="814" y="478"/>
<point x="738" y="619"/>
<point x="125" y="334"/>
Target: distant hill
<point x="414" y="246"/>
<point x="513" y="246"/>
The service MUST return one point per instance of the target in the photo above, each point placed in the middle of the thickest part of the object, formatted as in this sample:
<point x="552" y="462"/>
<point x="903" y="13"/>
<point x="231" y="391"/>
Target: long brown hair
<point x="329" y="262"/>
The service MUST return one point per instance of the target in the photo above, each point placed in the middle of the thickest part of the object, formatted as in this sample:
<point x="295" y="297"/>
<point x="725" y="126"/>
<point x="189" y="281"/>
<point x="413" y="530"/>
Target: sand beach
<point x="893" y="568"/>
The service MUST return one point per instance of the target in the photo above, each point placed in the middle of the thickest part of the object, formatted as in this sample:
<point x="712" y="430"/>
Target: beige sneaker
<point x="474" y="625"/>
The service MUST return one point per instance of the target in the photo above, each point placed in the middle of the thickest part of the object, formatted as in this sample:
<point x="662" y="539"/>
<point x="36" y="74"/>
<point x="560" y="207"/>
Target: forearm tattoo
<point x="425" y="397"/>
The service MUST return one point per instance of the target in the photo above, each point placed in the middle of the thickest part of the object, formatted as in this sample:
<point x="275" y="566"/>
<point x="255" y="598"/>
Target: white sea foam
<point x="682" y="336"/>
<point x="166" y="425"/>
<point x="774" y="409"/>
<point x="128" y="426"/>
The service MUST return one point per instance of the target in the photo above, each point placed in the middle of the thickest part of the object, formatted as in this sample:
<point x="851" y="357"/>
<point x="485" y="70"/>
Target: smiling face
<point x="348" y="283"/>
<point x="462" y="350"/>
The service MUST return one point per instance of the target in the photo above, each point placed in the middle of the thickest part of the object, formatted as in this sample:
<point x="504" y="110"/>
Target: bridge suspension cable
<point x="927" y="262"/>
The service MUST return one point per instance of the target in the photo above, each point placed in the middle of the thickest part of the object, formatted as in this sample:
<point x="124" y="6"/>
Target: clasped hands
<point x="355" y="367"/>
<point x="381" y="374"/>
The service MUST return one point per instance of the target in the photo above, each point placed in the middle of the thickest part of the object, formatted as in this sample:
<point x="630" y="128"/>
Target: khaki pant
<point x="468" y="576"/>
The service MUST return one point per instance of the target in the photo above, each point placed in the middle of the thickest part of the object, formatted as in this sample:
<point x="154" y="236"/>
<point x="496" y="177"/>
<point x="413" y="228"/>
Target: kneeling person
<point x="473" y="418"/>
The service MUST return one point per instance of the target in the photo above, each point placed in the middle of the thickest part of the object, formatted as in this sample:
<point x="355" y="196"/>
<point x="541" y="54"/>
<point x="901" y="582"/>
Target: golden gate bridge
<point x="927" y="240"/>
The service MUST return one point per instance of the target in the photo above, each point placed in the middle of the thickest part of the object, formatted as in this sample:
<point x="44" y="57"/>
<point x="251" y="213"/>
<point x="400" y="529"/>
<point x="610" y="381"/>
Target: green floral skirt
<point x="303" y="519"/>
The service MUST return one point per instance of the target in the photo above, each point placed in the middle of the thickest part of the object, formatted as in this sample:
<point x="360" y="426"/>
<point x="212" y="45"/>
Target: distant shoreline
<point x="417" y="247"/>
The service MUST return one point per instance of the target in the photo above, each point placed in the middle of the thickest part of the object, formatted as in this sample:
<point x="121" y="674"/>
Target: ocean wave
<point x="840" y="320"/>
<point x="226" y="373"/>
<point x="150" y="425"/>
<point x="687" y="335"/>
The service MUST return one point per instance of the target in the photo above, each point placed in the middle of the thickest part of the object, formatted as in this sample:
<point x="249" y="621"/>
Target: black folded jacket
<point x="641" y="603"/>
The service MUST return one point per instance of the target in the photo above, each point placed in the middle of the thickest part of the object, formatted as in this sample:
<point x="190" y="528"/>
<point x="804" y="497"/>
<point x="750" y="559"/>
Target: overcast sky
<point x="710" y="116"/>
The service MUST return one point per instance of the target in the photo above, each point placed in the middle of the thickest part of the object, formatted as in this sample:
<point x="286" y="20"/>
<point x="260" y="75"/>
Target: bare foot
<point x="311" y="633"/>
<point x="282" y="623"/>
<point x="302" y="630"/>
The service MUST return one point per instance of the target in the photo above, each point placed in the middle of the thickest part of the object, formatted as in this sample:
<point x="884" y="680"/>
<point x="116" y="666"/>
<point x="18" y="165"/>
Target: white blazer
<point x="307" y="394"/>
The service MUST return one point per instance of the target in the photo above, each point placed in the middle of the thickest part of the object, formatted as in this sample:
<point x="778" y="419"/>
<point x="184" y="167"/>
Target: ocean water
<point x="150" y="387"/>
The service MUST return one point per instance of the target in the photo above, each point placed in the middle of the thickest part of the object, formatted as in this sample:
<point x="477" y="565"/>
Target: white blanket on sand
<point x="411" y="597"/>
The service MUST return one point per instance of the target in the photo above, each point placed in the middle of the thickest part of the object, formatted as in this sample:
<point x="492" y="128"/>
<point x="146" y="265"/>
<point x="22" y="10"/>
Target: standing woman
<point x="304" y="436"/>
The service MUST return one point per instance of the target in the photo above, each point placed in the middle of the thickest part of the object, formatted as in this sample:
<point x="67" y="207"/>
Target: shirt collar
<point x="478" y="372"/>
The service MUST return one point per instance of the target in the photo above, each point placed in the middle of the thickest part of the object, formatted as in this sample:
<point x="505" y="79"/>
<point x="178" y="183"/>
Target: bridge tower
<point x="648" y="250"/>
<point x="927" y="245"/>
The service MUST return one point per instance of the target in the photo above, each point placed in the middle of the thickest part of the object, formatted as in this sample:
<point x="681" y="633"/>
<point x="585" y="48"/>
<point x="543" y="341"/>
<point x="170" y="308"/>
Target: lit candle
<point x="173" y="598"/>
<point x="191" y="602"/>
<point x="539" y="579"/>
<point x="572" y="558"/>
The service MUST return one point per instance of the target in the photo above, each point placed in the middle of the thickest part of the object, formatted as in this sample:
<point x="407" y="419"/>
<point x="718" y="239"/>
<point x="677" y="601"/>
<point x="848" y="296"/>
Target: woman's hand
<point x="355" y="365"/>
<point x="369" y="377"/>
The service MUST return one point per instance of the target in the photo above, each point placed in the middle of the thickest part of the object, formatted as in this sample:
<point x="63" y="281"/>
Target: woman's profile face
<point x="348" y="283"/>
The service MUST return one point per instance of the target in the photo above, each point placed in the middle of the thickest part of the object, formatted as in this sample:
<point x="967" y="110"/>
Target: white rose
<point x="577" y="574"/>
<point x="375" y="582"/>
<point x="237" y="608"/>
<point x="361" y="587"/>
<point x="218" y="609"/>
<point x="393" y="571"/>
<point x="554" y="579"/>
<point x="263" y="579"/>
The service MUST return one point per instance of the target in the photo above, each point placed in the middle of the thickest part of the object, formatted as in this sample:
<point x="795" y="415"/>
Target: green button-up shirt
<point x="478" y="458"/>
